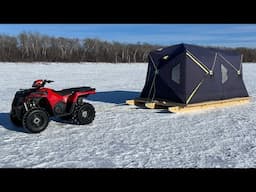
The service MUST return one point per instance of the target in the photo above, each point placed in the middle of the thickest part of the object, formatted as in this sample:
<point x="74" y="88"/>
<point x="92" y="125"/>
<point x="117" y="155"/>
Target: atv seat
<point x="72" y="90"/>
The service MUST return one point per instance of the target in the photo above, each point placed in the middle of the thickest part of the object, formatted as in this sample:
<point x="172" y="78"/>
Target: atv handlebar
<point x="48" y="81"/>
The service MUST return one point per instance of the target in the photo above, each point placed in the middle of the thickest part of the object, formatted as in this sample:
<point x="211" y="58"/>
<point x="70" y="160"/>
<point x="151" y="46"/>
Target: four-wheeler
<point x="32" y="108"/>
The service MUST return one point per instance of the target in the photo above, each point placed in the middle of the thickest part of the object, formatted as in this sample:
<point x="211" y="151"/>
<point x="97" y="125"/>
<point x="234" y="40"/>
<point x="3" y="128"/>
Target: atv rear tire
<point x="83" y="114"/>
<point x="35" y="120"/>
<point x="15" y="120"/>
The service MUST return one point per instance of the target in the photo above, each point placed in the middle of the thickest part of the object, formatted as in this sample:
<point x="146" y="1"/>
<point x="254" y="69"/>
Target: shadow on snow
<point x="115" y="97"/>
<point x="6" y="123"/>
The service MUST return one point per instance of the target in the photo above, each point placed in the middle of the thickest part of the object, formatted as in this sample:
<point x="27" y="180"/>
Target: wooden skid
<point x="179" y="107"/>
<point x="137" y="102"/>
<point x="156" y="104"/>
<point x="209" y="105"/>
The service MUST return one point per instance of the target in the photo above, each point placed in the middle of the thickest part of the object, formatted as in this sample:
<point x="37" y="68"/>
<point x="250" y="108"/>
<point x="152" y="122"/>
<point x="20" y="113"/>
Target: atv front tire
<point x="83" y="114"/>
<point x="35" y="120"/>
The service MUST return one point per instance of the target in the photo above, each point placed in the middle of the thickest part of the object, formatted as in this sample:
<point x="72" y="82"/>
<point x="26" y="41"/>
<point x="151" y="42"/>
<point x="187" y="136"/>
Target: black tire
<point x="83" y="114"/>
<point x="15" y="120"/>
<point x="35" y="120"/>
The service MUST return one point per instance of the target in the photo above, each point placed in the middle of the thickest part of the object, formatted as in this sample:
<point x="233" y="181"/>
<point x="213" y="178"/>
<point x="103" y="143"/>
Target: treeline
<point x="28" y="47"/>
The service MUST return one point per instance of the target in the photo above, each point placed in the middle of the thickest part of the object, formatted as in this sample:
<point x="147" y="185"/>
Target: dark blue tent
<point x="189" y="74"/>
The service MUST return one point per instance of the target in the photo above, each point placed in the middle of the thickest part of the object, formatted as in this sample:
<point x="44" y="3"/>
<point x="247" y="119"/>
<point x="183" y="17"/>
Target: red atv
<point x="31" y="108"/>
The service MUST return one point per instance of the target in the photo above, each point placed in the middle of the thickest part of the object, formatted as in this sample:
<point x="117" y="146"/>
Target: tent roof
<point x="193" y="48"/>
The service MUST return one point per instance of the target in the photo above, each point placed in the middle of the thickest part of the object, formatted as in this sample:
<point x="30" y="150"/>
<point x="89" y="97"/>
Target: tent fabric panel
<point x="209" y="74"/>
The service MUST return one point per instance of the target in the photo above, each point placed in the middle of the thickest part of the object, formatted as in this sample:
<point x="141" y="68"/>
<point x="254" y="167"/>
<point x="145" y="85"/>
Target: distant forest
<point x="29" y="47"/>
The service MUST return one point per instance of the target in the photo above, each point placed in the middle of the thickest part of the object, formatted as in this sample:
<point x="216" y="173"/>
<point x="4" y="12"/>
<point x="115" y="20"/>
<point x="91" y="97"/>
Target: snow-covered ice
<point x="124" y="136"/>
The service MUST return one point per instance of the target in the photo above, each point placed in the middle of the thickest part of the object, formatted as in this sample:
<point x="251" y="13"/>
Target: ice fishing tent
<point x="187" y="74"/>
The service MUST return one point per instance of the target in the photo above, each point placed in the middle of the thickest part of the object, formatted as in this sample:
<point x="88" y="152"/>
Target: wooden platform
<point x="179" y="107"/>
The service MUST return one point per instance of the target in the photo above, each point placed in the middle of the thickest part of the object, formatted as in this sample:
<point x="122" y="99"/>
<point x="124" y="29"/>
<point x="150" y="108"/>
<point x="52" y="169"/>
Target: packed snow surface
<point x="123" y="136"/>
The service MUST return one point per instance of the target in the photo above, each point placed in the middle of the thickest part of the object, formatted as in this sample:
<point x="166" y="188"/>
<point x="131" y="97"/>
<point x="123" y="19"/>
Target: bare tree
<point x="37" y="47"/>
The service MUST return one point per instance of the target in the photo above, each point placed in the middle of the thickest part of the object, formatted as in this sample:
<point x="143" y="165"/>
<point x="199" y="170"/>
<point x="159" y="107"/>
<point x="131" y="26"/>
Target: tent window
<point x="224" y="73"/>
<point x="175" y="73"/>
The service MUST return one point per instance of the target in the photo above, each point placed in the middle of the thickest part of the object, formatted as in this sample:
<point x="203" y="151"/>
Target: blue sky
<point x="230" y="35"/>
